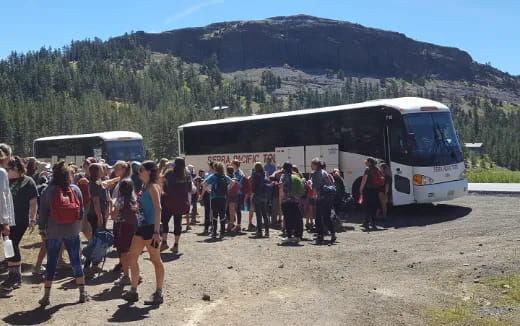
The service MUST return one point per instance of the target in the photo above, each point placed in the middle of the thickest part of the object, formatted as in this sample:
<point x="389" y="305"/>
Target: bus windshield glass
<point x="124" y="150"/>
<point x="434" y="140"/>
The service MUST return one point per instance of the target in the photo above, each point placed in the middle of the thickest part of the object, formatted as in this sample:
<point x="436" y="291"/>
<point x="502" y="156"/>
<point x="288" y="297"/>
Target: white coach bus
<point x="111" y="146"/>
<point x="415" y="135"/>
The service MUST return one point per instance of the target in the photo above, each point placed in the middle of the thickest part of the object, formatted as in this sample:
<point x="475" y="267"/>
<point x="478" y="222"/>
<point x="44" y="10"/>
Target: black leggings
<point x="16" y="236"/>
<point x="371" y="204"/>
<point x="323" y="210"/>
<point x="207" y="210"/>
<point x="219" y="210"/>
<point x="293" y="218"/>
<point x="177" y="223"/>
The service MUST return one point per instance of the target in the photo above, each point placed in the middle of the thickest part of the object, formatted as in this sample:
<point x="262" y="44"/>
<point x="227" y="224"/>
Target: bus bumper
<point x="441" y="192"/>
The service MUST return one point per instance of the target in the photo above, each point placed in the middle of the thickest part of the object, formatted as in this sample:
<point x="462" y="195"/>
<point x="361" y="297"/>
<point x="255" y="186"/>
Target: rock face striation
<point x="311" y="43"/>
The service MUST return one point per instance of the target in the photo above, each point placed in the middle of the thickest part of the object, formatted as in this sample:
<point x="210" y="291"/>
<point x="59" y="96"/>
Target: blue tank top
<point x="146" y="210"/>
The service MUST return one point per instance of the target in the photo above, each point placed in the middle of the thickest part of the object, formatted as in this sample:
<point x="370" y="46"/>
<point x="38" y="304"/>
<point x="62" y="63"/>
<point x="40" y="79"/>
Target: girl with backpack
<point x="371" y="185"/>
<point x="61" y="211"/>
<point x="147" y="234"/>
<point x="99" y="207"/>
<point x="260" y="187"/>
<point x="177" y="191"/>
<point x="125" y="225"/>
<point x="25" y="196"/>
<point x="291" y="190"/>
<point x="219" y="182"/>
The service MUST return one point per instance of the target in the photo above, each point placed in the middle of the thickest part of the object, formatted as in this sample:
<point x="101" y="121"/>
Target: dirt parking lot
<point x="450" y="264"/>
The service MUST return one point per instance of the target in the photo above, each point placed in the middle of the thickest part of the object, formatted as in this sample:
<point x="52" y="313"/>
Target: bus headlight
<point x="421" y="180"/>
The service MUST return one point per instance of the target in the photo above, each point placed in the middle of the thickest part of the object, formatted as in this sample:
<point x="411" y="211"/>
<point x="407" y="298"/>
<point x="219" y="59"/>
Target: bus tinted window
<point x="124" y="150"/>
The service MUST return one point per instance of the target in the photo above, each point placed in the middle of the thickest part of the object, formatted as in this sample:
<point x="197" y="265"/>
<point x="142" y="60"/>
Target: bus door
<point x="402" y="175"/>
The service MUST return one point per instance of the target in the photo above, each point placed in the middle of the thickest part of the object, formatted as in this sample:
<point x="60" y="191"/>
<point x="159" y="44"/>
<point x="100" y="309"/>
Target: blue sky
<point x="488" y="30"/>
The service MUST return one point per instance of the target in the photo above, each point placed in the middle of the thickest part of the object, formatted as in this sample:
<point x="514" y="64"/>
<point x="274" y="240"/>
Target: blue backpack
<point x="97" y="247"/>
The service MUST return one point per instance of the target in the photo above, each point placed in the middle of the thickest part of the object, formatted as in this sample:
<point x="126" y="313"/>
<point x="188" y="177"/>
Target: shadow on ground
<point x="35" y="316"/>
<point x="415" y="215"/>
<point x="128" y="313"/>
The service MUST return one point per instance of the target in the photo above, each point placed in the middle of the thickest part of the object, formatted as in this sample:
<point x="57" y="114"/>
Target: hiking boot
<point x="44" y="301"/>
<point x="123" y="281"/>
<point x="84" y="297"/>
<point x="13" y="281"/>
<point x="175" y="248"/>
<point x="155" y="299"/>
<point x="130" y="296"/>
<point x="117" y="269"/>
<point x="164" y="246"/>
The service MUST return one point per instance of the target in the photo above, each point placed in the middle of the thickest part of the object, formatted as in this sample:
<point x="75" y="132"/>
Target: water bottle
<point x="8" y="248"/>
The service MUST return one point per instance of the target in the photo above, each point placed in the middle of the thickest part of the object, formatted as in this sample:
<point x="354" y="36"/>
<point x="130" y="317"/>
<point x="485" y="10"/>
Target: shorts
<point x="123" y="235"/>
<point x="233" y="199"/>
<point x="145" y="232"/>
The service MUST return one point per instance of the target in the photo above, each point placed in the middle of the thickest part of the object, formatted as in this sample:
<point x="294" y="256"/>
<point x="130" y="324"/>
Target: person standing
<point x="7" y="218"/>
<point x="177" y="190"/>
<point x="122" y="171"/>
<point x="291" y="188"/>
<point x="371" y="185"/>
<point x="125" y="213"/>
<point x="147" y="234"/>
<point x="269" y="166"/>
<point x="239" y="176"/>
<point x="25" y="197"/>
<point x="60" y="215"/>
<point x="385" y="195"/>
<point x="259" y="187"/>
<point x="218" y="182"/>
<point x="321" y="181"/>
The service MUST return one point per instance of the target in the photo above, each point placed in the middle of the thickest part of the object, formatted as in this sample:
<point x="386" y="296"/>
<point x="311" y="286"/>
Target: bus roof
<point x="403" y="104"/>
<point x="109" y="135"/>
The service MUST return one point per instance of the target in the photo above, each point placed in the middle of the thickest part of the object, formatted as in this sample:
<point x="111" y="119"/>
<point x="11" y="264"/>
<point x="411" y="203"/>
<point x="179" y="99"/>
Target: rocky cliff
<point x="311" y="43"/>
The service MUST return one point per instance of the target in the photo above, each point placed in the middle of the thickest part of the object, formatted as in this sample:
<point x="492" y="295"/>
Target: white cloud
<point x="191" y="10"/>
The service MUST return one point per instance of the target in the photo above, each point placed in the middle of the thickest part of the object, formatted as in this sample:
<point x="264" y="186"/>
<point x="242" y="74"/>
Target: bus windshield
<point x="434" y="139"/>
<point x="124" y="150"/>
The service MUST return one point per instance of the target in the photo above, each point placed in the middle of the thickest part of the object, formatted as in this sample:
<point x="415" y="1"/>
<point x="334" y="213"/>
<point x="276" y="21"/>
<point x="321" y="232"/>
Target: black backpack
<point x="221" y="187"/>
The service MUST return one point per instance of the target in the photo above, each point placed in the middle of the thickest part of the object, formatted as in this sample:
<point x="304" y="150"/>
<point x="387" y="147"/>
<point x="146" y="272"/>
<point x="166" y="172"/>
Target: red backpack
<point x="233" y="188"/>
<point x="246" y="185"/>
<point x="378" y="178"/>
<point x="65" y="206"/>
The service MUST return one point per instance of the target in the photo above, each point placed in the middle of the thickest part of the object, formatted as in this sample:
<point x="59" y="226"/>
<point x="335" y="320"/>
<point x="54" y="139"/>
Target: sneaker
<point x="214" y="235"/>
<point x="175" y="248"/>
<point x="164" y="246"/>
<point x="13" y="281"/>
<point x="221" y="235"/>
<point x="258" y="234"/>
<point x="38" y="271"/>
<point x="123" y="281"/>
<point x="365" y="225"/>
<point x="155" y="299"/>
<point x="84" y="297"/>
<point x="318" y="241"/>
<point x="44" y="301"/>
<point x="251" y="228"/>
<point x="294" y="239"/>
<point x="130" y="296"/>
<point x="117" y="269"/>
<point x="333" y="238"/>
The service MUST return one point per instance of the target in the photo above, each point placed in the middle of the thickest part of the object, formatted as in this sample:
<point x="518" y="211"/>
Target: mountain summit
<point x="312" y="43"/>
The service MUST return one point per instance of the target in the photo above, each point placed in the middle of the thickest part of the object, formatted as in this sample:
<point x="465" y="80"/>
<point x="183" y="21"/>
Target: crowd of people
<point x="142" y="198"/>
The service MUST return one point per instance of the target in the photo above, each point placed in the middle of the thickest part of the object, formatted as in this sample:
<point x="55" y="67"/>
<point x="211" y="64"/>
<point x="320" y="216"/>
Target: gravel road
<point x="421" y="259"/>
